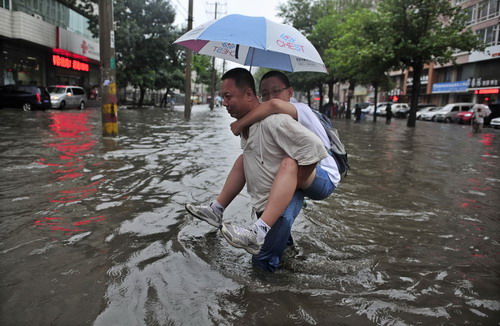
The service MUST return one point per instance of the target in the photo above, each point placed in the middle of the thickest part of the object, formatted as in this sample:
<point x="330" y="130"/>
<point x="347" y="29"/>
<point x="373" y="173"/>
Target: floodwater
<point x="93" y="231"/>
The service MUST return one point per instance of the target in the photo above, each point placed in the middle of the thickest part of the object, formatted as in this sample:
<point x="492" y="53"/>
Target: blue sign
<point x="451" y="87"/>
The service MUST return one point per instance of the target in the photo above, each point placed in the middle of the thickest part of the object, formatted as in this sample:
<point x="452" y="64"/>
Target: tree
<point x="145" y="55"/>
<point x="424" y="31"/>
<point x="356" y="52"/>
<point x="303" y="15"/>
<point x="305" y="82"/>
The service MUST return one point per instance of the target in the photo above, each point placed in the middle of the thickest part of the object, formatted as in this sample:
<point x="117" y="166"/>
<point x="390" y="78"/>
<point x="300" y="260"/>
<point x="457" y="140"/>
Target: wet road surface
<point x="94" y="232"/>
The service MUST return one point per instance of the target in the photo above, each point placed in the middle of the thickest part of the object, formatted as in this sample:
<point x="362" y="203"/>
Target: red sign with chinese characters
<point x="68" y="63"/>
<point x="487" y="91"/>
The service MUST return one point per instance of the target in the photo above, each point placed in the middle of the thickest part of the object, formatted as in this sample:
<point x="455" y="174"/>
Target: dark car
<point x="495" y="113"/>
<point x="25" y="97"/>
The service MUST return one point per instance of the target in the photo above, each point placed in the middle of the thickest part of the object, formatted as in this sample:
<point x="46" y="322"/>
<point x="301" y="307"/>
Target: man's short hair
<point x="278" y="74"/>
<point x="243" y="79"/>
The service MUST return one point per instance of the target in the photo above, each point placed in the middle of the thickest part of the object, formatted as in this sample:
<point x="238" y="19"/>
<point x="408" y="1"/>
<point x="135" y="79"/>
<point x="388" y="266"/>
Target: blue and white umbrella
<point x="254" y="41"/>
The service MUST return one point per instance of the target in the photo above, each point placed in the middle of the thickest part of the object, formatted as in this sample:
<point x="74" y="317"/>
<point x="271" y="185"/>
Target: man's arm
<point x="262" y="111"/>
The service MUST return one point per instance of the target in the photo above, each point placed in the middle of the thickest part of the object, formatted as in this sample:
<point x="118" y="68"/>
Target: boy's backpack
<point x="337" y="149"/>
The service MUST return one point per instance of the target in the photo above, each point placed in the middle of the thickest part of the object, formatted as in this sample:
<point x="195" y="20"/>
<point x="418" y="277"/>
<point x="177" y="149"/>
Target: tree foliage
<point x="145" y="55"/>
<point x="202" y="65"/>
<point x="425" y="31"/>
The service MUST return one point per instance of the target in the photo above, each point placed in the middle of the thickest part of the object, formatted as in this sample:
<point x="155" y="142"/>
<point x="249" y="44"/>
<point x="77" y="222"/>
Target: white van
<point x="395" y="108"/>
<point x="449" y="111"/>
<point x="62" y="96"/>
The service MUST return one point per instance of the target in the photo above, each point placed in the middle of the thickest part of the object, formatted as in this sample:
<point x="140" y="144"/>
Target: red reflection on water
<point x="71" y="137"/>
<point x="487" y="139"/>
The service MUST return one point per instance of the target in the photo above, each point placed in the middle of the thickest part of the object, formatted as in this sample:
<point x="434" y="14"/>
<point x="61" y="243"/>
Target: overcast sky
<point x="203" y="11"/>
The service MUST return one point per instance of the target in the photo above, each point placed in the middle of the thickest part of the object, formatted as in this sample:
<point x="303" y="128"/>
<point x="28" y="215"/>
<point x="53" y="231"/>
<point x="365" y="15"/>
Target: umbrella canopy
<point x="254" y="41"/>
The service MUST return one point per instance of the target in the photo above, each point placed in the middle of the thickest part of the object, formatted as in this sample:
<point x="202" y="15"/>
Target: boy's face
<point x="273" y="87"/>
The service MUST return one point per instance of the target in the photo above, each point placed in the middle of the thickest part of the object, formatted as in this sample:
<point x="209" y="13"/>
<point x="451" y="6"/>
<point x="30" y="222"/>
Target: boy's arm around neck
<point x="262" y="111"/>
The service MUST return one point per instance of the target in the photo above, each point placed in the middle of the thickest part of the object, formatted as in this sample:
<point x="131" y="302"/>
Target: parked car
<point x="495" y="113"/>
<point x="26" y="97"/>
<point x="63" y="96"/>
<point x="402" y="110"/>
<point x="364" y="107"/>
<point x="369" y="109"/>
<point x="464" y="117"/>
<point x="395" y="108"/>
<point x="449" y="112"/>
<point x="424" y="105"/>
<point x="495" y="123"/>
<point x="380" y="105"/>
<point x="430" y="115"/>
<point x="427" y="109"/>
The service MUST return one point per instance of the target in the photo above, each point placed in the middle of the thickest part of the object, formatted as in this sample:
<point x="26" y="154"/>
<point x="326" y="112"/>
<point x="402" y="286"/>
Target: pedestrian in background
<point x="388" y="114"/>
<point x="477" y="119"/>
<point x="357" y="112"/>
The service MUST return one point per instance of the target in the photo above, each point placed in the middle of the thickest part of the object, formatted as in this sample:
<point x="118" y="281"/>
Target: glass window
<point x="488" y="9"/>
<point x="5" y="4"/>
<point x="489" y="35"/>
<point x="470" y="12"/>
<point x="78" y="91"/>
<point x="54" y="13"/>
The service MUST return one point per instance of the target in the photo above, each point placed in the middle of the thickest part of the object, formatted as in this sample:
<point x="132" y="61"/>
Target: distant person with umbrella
<point x="480" y="111"/>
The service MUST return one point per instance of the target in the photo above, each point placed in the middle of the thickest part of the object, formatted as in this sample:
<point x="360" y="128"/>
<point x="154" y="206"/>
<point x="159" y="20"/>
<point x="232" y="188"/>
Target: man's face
<point x="234" y="99"/>
<point x="273" y="87"/>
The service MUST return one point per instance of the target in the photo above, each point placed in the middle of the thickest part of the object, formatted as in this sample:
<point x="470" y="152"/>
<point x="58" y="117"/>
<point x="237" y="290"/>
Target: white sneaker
<point x="205" y="213"/>
<point x="244" y="237"/>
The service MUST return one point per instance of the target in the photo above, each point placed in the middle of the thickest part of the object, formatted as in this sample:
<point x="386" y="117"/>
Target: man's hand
<point x="236" y="128"/>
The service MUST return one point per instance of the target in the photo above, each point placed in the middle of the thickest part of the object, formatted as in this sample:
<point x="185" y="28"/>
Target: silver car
<point x="62" y="96"/>
<point x="449" y="112"/>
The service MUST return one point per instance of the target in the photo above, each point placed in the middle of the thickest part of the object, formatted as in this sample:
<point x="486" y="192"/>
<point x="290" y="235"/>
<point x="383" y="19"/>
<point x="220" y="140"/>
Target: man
<point x="289" y="176"/>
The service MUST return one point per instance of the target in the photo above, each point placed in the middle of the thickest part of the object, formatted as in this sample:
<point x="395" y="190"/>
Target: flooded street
<point x="94" y="231"/>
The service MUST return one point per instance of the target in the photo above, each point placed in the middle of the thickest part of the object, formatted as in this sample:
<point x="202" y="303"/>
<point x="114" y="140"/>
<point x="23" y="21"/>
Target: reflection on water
<point x="70" y="141"/>
<point x="409" y="237"/>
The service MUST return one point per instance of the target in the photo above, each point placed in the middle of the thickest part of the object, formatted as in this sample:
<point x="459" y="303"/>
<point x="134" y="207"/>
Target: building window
<point x="487" y="9"/>
<point x="482" y="11"/>
<point x="55" y="13"/>
<point x="471" y="13"/>
<point x="489" y="35"/>
<point x="5" y="4"/>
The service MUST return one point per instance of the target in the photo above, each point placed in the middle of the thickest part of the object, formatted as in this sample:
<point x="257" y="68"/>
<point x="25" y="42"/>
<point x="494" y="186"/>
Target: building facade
<point x="44" y="42"/>
<point x="474" y="78"/>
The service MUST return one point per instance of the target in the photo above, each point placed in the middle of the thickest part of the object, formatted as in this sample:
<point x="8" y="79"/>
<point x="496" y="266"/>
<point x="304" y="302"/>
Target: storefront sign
<point x="450" y="87"/>
<point x="487" y="91"/>
<point x="424" y="79"/>
<point x="77" y="44"/>
<point x="480" y="82"/>
<point x="68" y="63"/>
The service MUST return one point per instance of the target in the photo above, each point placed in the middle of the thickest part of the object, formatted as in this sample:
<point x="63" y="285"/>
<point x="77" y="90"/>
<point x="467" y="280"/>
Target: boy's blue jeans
<point x="279" y="237"/>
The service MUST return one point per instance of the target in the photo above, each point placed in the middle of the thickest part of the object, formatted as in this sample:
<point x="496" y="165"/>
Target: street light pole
<point x="187" y="75"/>
<point x="212" y="90"/>
<point x="108" y="69"/>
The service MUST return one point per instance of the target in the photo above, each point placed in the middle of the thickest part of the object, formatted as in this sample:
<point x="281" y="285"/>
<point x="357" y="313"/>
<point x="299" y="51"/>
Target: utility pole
<point x="212" y="91"/>
<point x="108" y="69"/>
<point x="187" y="75"/>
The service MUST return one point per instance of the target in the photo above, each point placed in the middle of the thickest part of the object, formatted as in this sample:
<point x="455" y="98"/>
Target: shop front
<point x="22" y="63"/>
<point x="74" y="61"/>
<point x="485" y="90"/>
